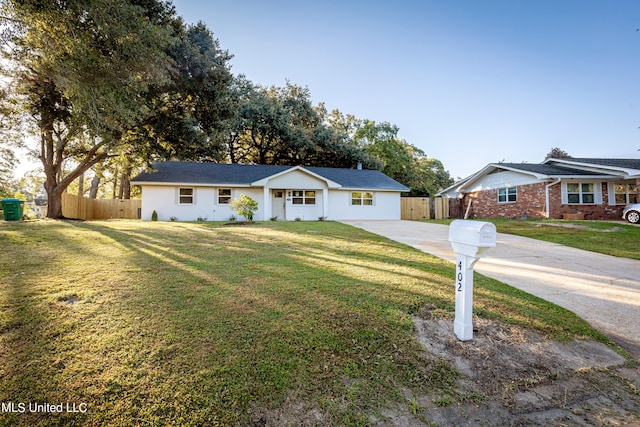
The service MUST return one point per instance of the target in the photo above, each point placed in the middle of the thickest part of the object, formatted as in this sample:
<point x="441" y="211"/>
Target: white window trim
<point x="612" y="193"/>
<point x="362" y="198"/>
<point x="218" y="195"/>
<point x="597" y="192"/>
<point x="507" y="195"/>
<point x="193" y="196"/>
<point x="304" y="198"/>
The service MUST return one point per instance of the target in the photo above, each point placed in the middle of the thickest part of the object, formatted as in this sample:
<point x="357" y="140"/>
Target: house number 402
<point x="459" y="277"/>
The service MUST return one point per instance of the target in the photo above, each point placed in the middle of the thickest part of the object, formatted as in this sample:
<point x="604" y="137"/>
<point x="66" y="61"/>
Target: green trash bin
<point x="13" y="209"/>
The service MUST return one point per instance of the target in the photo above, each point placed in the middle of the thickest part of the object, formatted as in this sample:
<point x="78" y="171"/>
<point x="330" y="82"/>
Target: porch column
<point x="266" y="203"/>
<point x="325" y="202"/>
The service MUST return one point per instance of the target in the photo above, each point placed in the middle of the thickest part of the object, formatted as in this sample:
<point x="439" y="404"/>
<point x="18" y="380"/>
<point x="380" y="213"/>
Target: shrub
<point x="245" y="206"/>
<point x="154" y="216"/>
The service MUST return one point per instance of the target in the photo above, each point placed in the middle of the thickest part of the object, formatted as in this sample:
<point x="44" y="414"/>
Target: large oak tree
<point x="79" y="70"/>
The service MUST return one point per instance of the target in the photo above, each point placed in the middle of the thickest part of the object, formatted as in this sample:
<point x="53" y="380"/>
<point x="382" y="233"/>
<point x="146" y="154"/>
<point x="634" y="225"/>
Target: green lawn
<point x="203" y="324"/>
<point x="606" y="237"/>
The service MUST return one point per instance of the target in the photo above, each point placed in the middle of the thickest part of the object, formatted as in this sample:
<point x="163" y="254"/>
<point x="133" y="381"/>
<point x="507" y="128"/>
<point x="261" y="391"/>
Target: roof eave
<point x="391" y="190"/>
<point x="585" y="176"/>
<point x="188" y="184"/>
<point x="626" y="172"/>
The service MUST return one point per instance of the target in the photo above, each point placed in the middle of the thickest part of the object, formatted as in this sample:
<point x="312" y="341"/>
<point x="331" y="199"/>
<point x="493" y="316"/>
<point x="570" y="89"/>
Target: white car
<point x="632" y="213"/>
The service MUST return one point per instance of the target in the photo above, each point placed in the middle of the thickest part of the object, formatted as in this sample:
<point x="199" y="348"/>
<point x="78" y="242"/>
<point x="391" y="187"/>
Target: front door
<point x="278" y="205"/>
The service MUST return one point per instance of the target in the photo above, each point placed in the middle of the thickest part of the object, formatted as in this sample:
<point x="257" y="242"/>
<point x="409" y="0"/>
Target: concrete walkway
<point x="602" y="289"/>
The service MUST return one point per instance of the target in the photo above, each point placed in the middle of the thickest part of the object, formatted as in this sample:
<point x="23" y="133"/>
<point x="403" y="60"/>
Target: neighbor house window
<point x="580" y="193"/>
<point x="186" y="196"/>
<point x="361" y="198"/>
<point x="506" y="195"/>
<point x="224" y="196"/>
<point x="304" y="197"/>
<point x="626" y="193"/>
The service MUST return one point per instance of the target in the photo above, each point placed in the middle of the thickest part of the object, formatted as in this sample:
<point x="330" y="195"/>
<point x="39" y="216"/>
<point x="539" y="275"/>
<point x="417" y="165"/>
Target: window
<point x="580" y="193"/>
<point x="304" y="197"/>
<point x="361" y="198"/>
<point x="507" y="195"/>
<point x="224" y="196"/>
<point x="626" y="194"/>
<point x="186" y="196"/>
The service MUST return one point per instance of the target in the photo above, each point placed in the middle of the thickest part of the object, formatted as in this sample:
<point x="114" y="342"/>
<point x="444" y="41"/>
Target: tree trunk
<point x="55" y="136"/>
<point x="55" y="183"/>
<point x="121" y="187"/>
<point x="93" y="191"/>
<point x="115" y="184"/>
<point x="54" y="203"/>
<point x="81" y="185"/>
<point x="125" y="183"/>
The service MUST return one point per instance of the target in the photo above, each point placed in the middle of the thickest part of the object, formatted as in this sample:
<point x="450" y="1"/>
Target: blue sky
<point x="470" y="82"/>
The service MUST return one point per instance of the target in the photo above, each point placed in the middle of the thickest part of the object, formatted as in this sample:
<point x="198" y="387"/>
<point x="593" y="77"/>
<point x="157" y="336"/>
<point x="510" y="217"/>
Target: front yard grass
<point x="605" y="237"/>
<point x="202" y="324"/>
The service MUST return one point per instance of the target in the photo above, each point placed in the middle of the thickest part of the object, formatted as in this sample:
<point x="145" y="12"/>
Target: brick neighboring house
<point x="555" y="188"/>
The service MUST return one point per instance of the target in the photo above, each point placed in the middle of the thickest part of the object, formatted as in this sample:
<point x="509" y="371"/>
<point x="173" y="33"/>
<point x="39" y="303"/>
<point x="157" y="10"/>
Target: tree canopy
<point x="281" y="126"/>
<point x="111" y="85"/>
<point x="80" y="69"/>
<point x="557" y="153"/>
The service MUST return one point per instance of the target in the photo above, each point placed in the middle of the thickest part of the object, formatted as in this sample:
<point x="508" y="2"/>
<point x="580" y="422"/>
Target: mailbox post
<point x="470" y="241"/>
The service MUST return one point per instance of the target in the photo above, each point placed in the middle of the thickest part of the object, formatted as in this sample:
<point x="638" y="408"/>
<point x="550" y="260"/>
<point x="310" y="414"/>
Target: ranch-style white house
<point x="191" y="191"/>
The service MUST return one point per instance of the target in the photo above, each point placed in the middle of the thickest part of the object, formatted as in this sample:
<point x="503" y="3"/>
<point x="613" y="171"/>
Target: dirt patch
<point x="508" y="376"/>
<point x="518" y="377"/>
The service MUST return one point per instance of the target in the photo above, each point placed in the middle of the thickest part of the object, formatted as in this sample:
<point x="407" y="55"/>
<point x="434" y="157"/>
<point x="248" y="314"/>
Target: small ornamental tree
<point x="245" y="206"/>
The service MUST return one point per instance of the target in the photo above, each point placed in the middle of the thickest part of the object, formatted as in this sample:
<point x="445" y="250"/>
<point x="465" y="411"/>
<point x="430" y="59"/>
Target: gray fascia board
<point x="188" y="184"/>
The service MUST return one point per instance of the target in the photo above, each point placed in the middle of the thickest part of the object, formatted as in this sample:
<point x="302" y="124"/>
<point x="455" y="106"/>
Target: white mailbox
<point x="472" y="238"/>
<point x="470" y="241"/>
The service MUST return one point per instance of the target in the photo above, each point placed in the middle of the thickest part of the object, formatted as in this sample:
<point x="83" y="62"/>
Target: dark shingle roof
<point x="548" y="169"/>
<point x="352" y="178"/>
<point x="207" y="173"/>
<point x="616" y="163"/>
<point x="237" y="174"/>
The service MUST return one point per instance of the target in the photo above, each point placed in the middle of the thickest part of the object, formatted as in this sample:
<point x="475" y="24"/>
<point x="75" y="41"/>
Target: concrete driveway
<point x="602" y="289"/>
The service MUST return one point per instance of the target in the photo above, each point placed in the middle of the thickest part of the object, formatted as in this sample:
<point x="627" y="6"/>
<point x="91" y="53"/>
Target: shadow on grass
<point x="206" y="324"/>
<point x="35" y="330"/>
<point x="258" y="322"/>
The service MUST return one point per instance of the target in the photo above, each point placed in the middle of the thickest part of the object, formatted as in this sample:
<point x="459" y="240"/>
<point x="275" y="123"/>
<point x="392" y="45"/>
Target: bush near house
<point x="245" y="206"/>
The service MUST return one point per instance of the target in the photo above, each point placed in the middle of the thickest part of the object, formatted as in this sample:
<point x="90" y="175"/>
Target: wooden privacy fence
<point x="84" y="208"/>
<point x="414" y="208"/>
